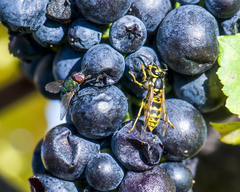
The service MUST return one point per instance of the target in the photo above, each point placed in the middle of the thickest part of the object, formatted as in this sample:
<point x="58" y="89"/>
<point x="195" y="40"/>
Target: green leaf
<point x="230" y="132"/>
<point x="229" y="70"/>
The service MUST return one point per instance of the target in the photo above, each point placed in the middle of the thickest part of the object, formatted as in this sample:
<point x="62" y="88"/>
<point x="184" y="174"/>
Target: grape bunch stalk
<point x="106" y="60"/>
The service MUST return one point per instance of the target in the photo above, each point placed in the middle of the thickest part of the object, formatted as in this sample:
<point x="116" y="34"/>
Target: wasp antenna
<point x="152" y="62"/>
<point x="142" y="60"/>
<point x="165" y="65"/>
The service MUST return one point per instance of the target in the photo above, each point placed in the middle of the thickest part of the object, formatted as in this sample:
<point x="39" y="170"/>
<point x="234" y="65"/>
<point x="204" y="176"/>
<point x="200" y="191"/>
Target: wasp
<point x="154" y="104"/>
<point x="68" y="88"/>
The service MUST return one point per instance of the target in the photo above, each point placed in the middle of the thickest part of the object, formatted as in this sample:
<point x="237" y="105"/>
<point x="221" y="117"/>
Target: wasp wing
<point x="65" y="101"/>
<point x="147" y="112"/>
<point x="164" y="115"/>
<point x="55" y="86"/>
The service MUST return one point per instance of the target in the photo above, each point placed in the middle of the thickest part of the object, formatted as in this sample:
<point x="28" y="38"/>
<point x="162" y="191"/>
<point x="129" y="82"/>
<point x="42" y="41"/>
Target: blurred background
<point x="25" y="116"/>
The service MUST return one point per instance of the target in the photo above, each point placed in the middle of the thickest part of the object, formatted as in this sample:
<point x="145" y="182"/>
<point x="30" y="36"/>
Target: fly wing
<point x="164" y="115"/>
<point x="55" y="86"/>
<point x="65" y="101"/>
<point x="147" y="112"/>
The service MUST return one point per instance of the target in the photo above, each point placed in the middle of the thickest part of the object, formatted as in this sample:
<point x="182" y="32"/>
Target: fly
<point x="68" y="88"/>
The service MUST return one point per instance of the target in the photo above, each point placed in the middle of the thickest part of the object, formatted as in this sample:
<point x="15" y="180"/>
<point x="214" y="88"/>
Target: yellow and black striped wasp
<point x="154" y="104"/>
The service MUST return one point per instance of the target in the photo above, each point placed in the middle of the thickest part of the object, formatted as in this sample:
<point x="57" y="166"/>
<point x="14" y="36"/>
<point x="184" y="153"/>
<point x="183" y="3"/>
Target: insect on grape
<point x="154" y="104"/>
<point x="68" y="88"/>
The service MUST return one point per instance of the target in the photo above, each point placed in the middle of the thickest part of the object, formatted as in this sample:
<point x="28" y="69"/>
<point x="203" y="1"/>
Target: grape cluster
<point x="93" y="53"/>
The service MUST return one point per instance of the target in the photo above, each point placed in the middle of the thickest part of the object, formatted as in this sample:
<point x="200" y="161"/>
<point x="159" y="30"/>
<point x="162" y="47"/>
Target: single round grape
<point x="46" y="182"/>
<point x="154" y="180"/>
<point x="190" y="132"/>
<point x="223" y="9"/>
<point x="50" y="34"/>
<point x="59" y="10"/>
<point x="23" y="15"/>
<point x="103" y="172"/>
<point x="138" y="150"/>
<point x="127" y="34"/>
<point x="104" y="64"/>
<point x="98" y="112"/>
<point x="83" y="34"/>
<point x="103" y="11"/>
<point x="180" y="174"/>
<point x="187" y="39"/>
<point x="65" y="154"/>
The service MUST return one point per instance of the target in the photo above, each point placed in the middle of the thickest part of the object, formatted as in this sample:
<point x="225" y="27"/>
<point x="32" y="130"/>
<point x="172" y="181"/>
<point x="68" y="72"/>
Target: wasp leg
<point x="171" y="124"/>
<point x="139" y="114"/>
<point x="134" y="79"/>
<point x="144" y="72"/>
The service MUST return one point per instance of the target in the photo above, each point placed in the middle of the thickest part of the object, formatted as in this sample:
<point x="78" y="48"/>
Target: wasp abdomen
<point x="155" y="113"/>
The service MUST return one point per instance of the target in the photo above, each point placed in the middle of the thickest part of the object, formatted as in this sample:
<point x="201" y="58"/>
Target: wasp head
<point x="156" y="71"/>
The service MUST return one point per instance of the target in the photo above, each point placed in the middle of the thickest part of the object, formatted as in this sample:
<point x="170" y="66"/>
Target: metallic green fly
<point x="68" y="88"/>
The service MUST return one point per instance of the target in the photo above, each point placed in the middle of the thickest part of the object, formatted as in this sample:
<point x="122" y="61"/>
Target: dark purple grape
<point x="138" y="150"/>
<point x="24" y="47"/>
<point x="103" y="172"/>
<point x="28" y="68"/>
<point x="190" y="132"/>
<point x="192" y="164"/>
<point x="99" y="112"/>
<point x="181" y="175"/>
<point x="44" y="75"/>
<point x="104" y="64"/>
<point x="187" y="40"/>
<point x="65" y="154"/>
<point x="103" y="11"/>
<point x="127" y="34"/>
<point x="37" y="164"/>
<point x="25" y="16"/>
<point x="76" y="12"/>
<point x="50" y="34"/>
<point x="154" y="180"/>
<point x="46" y="182"/>
<point x="231" y="26"/>
<point x="150" y="12"/>
<point x="59" y="10"/>
<point x="66" y="61"/>
<point x="202" y="91"/>
<point x="83" y="34"/>
<point x="223" y="9"/>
